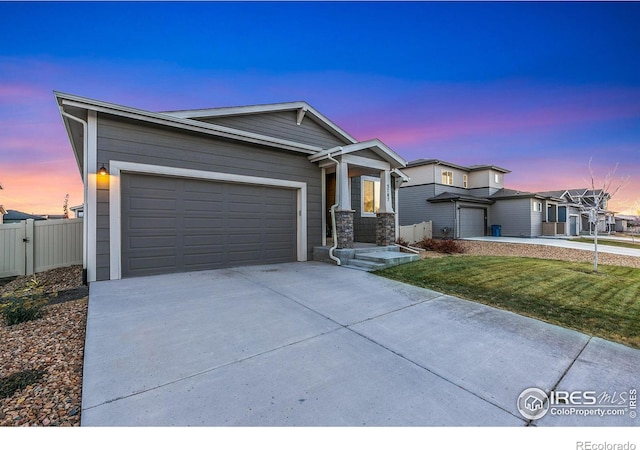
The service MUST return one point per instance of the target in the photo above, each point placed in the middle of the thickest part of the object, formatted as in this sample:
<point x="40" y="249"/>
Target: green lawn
<point x="605" y="241"/>
<point x="604" y="304"/>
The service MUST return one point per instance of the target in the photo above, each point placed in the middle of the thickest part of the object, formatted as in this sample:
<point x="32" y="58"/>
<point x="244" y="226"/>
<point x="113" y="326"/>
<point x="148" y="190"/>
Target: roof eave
<point x="302" y="106"/>
<point x="186" y="124"/>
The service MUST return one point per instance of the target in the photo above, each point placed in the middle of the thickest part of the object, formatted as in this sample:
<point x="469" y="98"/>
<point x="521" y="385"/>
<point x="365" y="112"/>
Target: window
<point x="370" y="196"/>
<point x="447" y="177"/>
<point x="496" y="177"/>
<point x="465" y="183"/>
<point x="537" y="206"/>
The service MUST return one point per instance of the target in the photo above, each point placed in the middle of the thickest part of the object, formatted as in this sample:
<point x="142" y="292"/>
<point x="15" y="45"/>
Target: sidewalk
<point x="563" y="243"/>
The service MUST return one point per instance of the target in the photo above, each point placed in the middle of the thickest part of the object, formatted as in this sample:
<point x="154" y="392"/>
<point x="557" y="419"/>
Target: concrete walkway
<point x="311" y="344"/>
<point x="564" y="243"/>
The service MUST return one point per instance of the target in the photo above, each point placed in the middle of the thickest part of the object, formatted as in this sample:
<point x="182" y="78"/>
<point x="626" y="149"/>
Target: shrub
<point x="24" y="304"/>
<point x="440" y="245"/>
<point x="18" y="381"/>
<point x="449" y="246"/>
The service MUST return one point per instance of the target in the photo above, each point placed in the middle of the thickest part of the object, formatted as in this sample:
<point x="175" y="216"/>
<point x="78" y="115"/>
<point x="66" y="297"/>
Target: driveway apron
<point x="311" y="344"/>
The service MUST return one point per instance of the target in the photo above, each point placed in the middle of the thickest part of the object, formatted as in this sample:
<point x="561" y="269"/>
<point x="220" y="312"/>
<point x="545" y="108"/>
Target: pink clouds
<point x="40" y="187"/>
<point x="451" y="113"/>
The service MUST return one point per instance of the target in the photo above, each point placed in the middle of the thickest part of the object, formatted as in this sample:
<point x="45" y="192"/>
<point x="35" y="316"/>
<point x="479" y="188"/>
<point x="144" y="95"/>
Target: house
<point x="578" y="201"/>
<point x="472" y="201"/>
<point x="455" y="198"/>
<point x="624" y="222"/>
<point x="13" y="216"/>
<point x="78" y="211"/>
<point x="212" y="188"/>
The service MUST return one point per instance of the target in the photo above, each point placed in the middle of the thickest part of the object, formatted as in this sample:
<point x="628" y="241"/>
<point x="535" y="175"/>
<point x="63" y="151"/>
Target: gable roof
<point x="450" y="196"/>
<point x="377" y="146"/>
<point x="439" y="162"/>
<point x="12" y="214"/>
<point x="303" y="110"/>
<point x="76" y="106"/>
<point x="79" y="104"/>
<point x="514" y="193"/>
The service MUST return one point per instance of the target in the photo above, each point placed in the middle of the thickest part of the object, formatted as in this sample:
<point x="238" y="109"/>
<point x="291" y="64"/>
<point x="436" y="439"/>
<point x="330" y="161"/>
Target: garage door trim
<point x="116" y="167"/>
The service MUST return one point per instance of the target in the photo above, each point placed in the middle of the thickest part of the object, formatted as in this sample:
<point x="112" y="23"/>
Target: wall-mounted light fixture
<point x="103" y="171"/>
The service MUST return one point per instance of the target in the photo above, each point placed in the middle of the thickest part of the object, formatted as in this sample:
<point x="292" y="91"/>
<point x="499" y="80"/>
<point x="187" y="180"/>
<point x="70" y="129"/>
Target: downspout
<point x="85" y="171"/>
<point x="334" y="232"/>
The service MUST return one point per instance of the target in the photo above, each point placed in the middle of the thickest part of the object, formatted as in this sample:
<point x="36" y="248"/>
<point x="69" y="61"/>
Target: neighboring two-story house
<point x="456" y="199"/>
<point x="469" y="201"/>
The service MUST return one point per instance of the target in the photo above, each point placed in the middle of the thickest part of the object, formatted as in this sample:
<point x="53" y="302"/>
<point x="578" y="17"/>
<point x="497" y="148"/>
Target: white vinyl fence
<point x="30" y="247"/>
<point x="416" y="232"/>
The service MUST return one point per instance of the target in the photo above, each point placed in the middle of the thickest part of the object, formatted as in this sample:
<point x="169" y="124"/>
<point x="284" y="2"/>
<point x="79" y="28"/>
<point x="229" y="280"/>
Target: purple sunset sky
<point x="536" y="88"/>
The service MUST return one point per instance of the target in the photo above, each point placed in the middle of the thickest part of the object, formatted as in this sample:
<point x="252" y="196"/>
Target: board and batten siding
<point x="127" y="140"/>
<point x="515" y="216"/>
<point x="282" y="125"/>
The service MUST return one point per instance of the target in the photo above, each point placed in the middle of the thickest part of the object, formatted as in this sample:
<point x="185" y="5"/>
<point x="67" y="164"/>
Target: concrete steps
<point x="368" y="258"/>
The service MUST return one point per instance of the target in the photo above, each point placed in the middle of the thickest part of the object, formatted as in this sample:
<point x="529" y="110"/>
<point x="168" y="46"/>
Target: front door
<point x="573" y="226"/>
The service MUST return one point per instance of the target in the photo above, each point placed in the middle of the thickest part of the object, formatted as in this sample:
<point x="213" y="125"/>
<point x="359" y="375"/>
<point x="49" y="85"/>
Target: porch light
<point x="103" y="171"/>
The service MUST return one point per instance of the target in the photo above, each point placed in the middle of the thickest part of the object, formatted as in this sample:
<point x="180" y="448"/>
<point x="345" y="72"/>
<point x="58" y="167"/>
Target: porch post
<point x="345" y="193"/>
<point x="386" y="218"/>
<point x="344" y="213"/>
<point x="386" y="206"/>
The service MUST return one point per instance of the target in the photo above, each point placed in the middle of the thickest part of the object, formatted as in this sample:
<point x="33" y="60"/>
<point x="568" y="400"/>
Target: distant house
<point x="455" y="198"/>
<point x="625" y="222"/>
<point x="78" y="211"/>
<point x="472" y="201"/>
<point x="13" y="216"/>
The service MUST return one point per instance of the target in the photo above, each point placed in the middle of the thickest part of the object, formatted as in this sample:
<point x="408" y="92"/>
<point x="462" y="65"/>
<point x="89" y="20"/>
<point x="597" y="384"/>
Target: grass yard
<point x="604" y="304"/>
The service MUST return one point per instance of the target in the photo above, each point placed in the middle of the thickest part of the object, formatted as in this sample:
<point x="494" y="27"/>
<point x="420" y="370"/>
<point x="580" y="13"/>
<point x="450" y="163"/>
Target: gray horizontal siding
<point x="514" y="216"/>
<point x="414" y="208"/>
<point x="281" y="125"/>
<point x="125" y="140"/>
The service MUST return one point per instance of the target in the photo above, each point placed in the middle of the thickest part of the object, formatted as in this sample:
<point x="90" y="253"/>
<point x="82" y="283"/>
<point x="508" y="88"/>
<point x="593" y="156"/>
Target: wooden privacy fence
<point x="416" y="232"/>
<point x="30" y="247"/>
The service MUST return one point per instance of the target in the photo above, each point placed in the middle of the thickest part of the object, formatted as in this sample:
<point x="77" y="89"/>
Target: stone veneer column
<point x="385" y="229"/>
<point x="344" y="229"/>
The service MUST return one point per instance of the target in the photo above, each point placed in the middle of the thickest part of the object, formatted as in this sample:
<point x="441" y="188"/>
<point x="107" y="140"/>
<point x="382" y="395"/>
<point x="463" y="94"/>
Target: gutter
<point x="334" y="232"/>
<point x="85" y="171"/>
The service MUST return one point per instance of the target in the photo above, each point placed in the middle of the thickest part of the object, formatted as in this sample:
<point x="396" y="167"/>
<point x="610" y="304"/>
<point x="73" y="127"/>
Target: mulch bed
<point x="41" y="360"/>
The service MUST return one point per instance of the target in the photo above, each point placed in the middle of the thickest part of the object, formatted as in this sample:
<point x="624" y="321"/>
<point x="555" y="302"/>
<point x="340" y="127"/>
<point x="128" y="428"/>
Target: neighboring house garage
<point x="180" y="224"/>
<point x="472" y="222"/>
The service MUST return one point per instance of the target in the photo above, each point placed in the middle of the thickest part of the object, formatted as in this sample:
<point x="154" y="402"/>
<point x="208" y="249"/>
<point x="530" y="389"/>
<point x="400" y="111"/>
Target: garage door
<point x="472" y="222"/>
<point x="179" y="225"/>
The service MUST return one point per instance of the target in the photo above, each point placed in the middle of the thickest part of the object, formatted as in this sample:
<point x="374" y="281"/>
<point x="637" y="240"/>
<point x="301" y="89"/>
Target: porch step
<point x="362" y="264"/>
<point x="366" y="258"/>
<point x="387" y="258"/>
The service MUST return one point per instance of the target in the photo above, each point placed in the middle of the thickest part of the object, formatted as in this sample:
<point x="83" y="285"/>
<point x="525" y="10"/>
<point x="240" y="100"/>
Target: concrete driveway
<point x="312" y="344"/>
